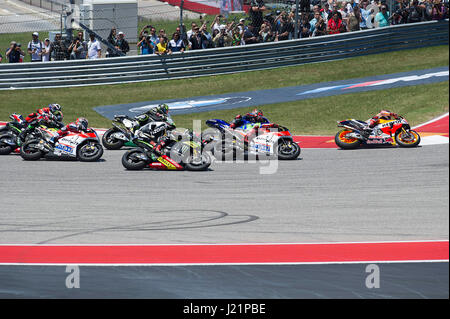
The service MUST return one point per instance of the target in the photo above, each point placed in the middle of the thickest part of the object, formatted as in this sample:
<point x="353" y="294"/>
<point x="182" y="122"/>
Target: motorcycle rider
<point x="374" y="121"/>
<point x="156" y="136"/>
<point x="256" y="116"/>
<point x="80" y="125"/>
<point x="52" y="113"/>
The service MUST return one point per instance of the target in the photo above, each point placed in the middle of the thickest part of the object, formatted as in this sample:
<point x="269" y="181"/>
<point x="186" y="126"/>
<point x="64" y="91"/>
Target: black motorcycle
<point x="10" y="133"/>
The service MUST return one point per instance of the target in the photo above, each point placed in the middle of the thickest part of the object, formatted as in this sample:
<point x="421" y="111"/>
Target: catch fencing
<point x="222" y="60"/>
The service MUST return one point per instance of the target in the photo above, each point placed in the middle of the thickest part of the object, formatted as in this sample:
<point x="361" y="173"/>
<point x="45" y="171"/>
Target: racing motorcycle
<point x="83" y="146"/>
<point x="181" y="151"/>
<point x="121" y="133"/>
<point x="9" y="133"/>
<point x="387" y="132"/>
<point x="272" y="139"/>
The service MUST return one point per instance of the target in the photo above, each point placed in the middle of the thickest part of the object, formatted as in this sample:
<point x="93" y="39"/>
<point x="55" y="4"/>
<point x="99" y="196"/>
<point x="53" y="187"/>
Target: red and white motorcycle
<point x="272" y="140"/>
<point x="83" y="146"/>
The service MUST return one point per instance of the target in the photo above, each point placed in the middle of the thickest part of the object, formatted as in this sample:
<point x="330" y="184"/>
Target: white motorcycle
<point x="83" y="146"/>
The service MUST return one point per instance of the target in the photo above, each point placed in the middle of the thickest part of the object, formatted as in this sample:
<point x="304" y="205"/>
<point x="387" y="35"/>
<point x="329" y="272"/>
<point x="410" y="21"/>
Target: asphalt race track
<point x="328" y="195"/>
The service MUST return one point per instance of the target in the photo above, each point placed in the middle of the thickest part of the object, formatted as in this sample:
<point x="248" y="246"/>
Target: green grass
<point x="319" y="116"/>
<point x="79" y="101"/>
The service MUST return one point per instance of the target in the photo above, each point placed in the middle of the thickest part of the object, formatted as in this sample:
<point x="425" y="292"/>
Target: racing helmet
<point x="54" y="108"/>
<point x="385" y="114"/>
<point x="256" y="114"/>
<point x="163" y="109"/>
<point x="82" y="124"/>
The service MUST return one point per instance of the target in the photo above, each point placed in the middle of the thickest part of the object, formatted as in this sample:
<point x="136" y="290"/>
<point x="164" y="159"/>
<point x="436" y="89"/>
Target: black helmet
<point x="55" y="108"/>
<point x="163" y="109"/>
<point x="82" y="124"/>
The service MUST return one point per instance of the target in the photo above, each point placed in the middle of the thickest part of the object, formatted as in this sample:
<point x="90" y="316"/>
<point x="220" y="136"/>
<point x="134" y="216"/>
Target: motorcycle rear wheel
<point x="111" y="143"/>
<point x="29" y="151"/>
<point x="132" y="163"/>
<point x="346" y="143"/>
<point x="4" y="148"/>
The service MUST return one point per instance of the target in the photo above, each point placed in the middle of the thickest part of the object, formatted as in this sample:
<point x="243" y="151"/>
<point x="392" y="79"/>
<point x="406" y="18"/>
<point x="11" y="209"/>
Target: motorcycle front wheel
<point x="132" y="160"/>
<point x="200" y="163"/>
<point x="407" y="139"/>
<point x="90" y="152"/>
<point x="288" y="150"/>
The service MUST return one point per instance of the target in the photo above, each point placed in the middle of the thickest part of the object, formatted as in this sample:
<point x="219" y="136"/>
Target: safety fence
<point x="222" y="60"/>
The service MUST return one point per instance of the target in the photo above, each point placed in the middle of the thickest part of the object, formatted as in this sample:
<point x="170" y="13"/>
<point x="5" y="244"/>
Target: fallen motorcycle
<point x="83" y="146"/>
<point x="387" y="132"/>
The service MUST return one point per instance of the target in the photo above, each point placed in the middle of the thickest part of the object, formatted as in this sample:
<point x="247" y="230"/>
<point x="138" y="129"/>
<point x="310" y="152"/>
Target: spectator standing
<point x="365" y="15"/>
<point x="78" y="47"/>
<point x="13" y="53"/>
<point x="285" y="30"/>
<point x="438" y="11"/>
<point x="195" y="39"/>
<point x="222" y="39"/>
<point x="382" y="17"/>
<point x="58" y="50"/>
<point x="35" y="48"/>
<point x="176" y="44"/>
<point x="122" y="43"/>
<point x="250" y="37"/>
<point x="1" y="58"/>
<point x="313" y="22"/>
<point x="320" y="28"/>
<point x="161" y="47"/>
<point x="334" y="24"/>
<point x="94" y="48"/>
<point x="256" y="10"/>
<point x="153" y="37"/>
<point x="266" y="34"/>
<point x="112" y="39"/>
<point x="354" y="20"/>
<point x="145" y="44"/>
<point x="46" y="51"/>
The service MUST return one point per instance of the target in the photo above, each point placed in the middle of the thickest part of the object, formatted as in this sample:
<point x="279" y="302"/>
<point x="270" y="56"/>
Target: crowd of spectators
<point x="60" y="49"/>
<point x="315" y="18"/>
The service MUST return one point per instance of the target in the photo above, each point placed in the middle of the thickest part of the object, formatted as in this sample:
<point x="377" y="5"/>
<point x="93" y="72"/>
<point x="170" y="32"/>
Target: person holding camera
<point x="14" y="52"/>
<point x="78" y="49"/>
<point x="145" y="44"/>
<point x="222" y="39"/>
<point x="320" y="27"/>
